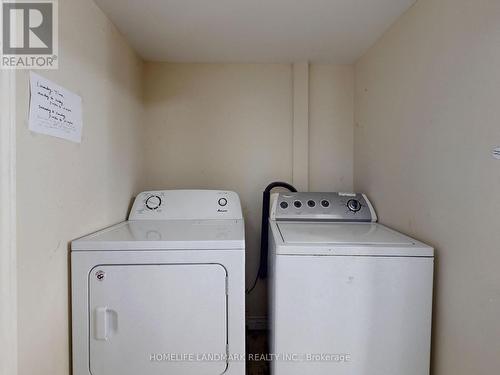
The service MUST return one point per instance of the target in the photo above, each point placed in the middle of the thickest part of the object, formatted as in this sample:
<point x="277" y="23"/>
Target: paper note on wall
<point x="54" y="110"/>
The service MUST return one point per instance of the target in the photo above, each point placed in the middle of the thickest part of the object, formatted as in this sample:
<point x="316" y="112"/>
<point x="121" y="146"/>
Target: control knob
<point x="353" y="205"/>
<point x="153" y="202"/>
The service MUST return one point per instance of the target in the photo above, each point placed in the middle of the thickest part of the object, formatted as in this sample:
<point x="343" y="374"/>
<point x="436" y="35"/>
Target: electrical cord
<point x="264" y="232"/>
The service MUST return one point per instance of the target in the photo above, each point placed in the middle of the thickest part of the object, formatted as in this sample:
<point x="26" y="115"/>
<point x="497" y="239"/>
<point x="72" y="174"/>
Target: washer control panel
<point x="186" y="204"/>
<point x="348" y="207"/>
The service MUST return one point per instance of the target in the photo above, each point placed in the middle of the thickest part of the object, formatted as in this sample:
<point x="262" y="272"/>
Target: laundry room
<point x="268" y="187"/>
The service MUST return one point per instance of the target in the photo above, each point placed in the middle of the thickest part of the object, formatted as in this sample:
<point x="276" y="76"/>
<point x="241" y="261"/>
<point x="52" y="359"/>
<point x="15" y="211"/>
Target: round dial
<point x="153" y="202"/>
<point x="354" y="205"/>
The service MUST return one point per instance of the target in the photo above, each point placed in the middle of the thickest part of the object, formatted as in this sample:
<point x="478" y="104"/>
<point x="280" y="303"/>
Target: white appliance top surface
<point x="166" y="235"/>
<point x="327" y="238"/>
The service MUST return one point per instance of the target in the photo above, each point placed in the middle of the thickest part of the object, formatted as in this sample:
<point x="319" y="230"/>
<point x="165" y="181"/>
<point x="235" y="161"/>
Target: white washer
<point x="348" y="296"/>
<point x="164" y="292"/>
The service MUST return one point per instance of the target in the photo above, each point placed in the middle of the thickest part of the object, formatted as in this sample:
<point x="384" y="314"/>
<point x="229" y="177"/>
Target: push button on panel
<point x="297" y="204"/>
<point x="325" y="203"/>
<point x="222" y="202"/>
<point x="311" y="203"/>
<point x="284" y="205"/>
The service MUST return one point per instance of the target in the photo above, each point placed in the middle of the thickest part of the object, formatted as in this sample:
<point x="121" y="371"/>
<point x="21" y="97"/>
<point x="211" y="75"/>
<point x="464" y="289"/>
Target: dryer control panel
<point x="186" y="205"/>
<point x="347" y="207"/>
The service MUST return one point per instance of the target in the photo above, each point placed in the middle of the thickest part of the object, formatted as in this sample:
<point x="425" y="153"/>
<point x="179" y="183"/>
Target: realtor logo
<point x="29" y="34"/>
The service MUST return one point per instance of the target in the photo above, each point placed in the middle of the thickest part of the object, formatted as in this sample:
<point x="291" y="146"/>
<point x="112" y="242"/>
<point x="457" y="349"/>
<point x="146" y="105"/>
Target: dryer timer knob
<point x="153" y="202"/>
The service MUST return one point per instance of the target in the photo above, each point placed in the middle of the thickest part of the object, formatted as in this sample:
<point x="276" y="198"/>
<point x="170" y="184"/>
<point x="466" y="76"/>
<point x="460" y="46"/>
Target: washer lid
<point x="166" y="235"/>
<point x="363" y="239"/>
<point x="341" y="233"/>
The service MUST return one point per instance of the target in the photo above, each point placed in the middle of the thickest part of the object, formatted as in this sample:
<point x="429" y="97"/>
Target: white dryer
<point x="164" y="292"/>
<point x="348" y="296"/>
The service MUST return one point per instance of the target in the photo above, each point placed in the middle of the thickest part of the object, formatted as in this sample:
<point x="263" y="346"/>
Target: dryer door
<point x="158" y="319"/>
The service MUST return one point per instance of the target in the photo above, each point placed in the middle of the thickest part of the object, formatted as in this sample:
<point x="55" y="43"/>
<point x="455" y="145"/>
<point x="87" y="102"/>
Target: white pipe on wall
<point x="300" y="126"/>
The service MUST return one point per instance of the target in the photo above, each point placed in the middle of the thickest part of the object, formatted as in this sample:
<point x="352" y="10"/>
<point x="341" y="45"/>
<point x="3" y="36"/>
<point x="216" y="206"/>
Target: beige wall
<point x="331" y="120"/>
<point x="427" y="118"/>
<point x="66" y="190"/>
<point x="229" y="126"/>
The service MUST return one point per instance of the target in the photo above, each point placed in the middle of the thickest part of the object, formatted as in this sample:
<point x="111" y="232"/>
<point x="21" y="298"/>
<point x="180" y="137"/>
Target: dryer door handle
<point x="101" y="323"/>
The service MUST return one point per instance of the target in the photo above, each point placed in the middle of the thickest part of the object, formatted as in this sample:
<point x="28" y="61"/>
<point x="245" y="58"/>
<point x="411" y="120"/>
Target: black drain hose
<point x="264" y="230"/>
